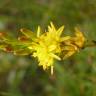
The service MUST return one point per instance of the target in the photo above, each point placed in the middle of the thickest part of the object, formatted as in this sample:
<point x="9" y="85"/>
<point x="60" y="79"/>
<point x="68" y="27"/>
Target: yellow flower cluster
<point x="50" y="45"/>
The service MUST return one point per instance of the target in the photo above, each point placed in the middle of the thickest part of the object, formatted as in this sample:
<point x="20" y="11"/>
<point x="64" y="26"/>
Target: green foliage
<point x="20" y="75"/>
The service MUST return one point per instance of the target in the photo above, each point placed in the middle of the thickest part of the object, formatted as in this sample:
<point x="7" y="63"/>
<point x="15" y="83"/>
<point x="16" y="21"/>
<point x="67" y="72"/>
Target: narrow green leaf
<point x="22" y="52"/>
<point x="28" y="33"/>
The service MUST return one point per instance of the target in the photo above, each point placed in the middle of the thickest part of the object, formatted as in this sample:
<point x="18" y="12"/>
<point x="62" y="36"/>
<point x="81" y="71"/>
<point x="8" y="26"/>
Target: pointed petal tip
<point x="52" y="25"/>
<point x="38" y="31"/>
<point x="52" y="71"/>
<point x="22" y="29"/>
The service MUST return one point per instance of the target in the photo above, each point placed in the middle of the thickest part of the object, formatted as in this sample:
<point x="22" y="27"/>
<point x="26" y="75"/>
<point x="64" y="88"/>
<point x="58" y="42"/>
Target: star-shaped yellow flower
<point x="51" y="45"/>
<point x="47" y="46"/>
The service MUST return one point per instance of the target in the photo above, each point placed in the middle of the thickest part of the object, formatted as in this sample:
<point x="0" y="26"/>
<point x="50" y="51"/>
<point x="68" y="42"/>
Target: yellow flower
<point x="73" y="44"/>
<point x="79" y="40"/>
<point x="48" y="46"/>
<point x="45" y="47"/>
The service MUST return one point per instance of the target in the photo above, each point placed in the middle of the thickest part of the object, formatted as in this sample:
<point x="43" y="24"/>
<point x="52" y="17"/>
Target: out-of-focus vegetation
<point x="20" y="75"/>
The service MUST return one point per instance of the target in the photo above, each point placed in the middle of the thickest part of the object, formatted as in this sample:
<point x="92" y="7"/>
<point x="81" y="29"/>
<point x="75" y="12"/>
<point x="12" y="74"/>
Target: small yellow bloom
<point x="73" y="44"/>
<point x="47" y="46"/>
<point x="79" y="40"/>
<point x="50" y="45"/>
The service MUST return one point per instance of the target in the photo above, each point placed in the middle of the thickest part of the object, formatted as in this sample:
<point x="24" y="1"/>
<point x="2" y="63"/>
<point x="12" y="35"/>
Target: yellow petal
<point x="70" y="53"/>
<point x="52" y="26"/>
<point x="52" y="47"/>
<point x="38" y="31"/>
<point x="44" y="66"/>
<point x="55" y="56"/>
<point x="65" y="38"/>
<point x="49" y="29"/>
<point x="60" y="30"/>
<point x="52" y="67"/>
<point x="78" y="33"/>
<point x="79" y="39"/>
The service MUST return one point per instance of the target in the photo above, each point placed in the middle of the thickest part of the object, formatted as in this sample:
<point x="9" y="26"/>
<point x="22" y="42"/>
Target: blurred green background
<point x="20" y="75"/>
